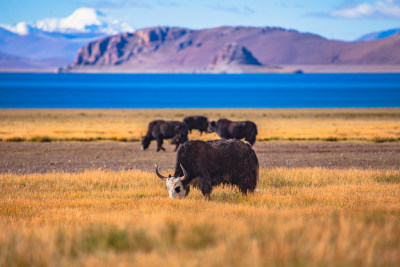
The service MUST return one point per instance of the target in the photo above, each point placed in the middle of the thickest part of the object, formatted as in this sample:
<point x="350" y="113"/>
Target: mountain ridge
<point x="173" y="49"/>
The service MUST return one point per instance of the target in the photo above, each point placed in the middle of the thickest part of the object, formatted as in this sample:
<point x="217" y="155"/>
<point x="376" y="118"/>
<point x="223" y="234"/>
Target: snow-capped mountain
<point x="54" y="42"/>
<point x="82" y="20"/>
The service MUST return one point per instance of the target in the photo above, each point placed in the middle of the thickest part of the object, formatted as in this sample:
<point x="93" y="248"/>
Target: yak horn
<point x="184" y="177"/>
<point x="159" y="175"/>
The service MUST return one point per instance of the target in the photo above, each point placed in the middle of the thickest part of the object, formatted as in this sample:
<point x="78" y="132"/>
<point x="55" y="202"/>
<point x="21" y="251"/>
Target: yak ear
<point x="212" y="123"/>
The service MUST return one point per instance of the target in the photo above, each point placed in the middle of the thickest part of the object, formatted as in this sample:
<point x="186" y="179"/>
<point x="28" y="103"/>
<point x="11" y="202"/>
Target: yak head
<point x="175" y="187"/>
<point x="212" y="127"/>
<point x="145" y="142"/>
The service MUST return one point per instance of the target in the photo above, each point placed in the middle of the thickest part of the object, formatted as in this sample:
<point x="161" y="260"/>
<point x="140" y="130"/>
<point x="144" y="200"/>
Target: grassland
<point x="299" y="217"/>
<point x="339" y="216"/>
<point x="378" y="125"/>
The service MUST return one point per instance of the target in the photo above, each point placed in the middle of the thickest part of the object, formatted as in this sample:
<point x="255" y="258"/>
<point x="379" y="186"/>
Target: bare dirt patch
<point x="29" y="157"/>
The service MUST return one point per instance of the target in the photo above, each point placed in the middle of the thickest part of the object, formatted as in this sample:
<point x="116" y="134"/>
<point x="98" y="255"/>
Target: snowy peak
<point x="83" y="16"/>
<point x="21" y="28"/>
<point x="91" y="20"/>
<point x="82" y="20"/>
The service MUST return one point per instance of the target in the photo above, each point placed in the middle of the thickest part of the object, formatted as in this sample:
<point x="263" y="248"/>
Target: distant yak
<point x="160" y="130"/>
<point x="196" y="122"/>
<point x="205" y="164"/>
<point x="228" y="129"/>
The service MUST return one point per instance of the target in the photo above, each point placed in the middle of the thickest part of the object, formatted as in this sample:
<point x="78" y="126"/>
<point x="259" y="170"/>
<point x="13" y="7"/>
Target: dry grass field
<point x="81" y="204"/>
<point x="299" y="217"/>
<point x="377" y="125"/>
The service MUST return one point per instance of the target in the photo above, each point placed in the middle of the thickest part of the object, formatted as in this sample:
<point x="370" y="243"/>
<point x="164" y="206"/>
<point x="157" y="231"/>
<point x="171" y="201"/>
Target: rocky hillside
<point x="234" y="54"/>
<point x="234" y="58"/>
<point x="164" y="49"/>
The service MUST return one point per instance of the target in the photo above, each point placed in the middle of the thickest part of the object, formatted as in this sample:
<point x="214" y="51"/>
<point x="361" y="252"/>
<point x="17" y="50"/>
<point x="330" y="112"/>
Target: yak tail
<point x="254" y="171"/>
<point x="258" y="173"/>
<point x="257" y="168"/>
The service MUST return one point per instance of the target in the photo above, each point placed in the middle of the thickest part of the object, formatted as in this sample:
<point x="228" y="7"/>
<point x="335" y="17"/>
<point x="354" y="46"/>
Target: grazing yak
<point x="205" y="164"/>
<point x="196" y="122"/>
<point x="160" y="130"/>
<point x="228" y="129"/>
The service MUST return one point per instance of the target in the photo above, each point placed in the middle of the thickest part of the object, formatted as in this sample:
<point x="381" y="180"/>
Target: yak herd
<point x="205" y="164"/>
<point x="178" y="131"/>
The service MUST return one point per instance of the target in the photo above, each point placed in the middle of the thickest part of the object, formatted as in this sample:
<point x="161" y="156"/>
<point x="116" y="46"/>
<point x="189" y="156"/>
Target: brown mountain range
<point x="260" y="49"/>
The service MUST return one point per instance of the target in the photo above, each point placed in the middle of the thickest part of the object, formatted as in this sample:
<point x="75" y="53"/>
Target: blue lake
<point x="38" y="90"/>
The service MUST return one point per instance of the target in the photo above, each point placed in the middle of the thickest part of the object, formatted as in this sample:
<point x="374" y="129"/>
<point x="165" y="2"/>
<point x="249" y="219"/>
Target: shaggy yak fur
<point x="210" y="163"/>
<point x="196" y="122"/>
<point x="228" y="129"/>
<point x="160" y="130"/>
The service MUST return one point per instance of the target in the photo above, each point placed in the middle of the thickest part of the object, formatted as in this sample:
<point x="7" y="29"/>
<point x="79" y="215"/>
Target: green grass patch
<point x="330" y="139"/>
<point x="40" y="139"/>
<point x="383" y="139"/>
<point x="388" y="178"/>
<point x="15" y="139"/>
<point x="201" y="237"/>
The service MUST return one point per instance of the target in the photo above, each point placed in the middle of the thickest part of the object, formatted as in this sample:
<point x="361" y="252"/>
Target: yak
<point x="196" y="122"/>
<point x="205" y="164"/>
<point x="228" y="129"/>
<point x="160" y="130"/>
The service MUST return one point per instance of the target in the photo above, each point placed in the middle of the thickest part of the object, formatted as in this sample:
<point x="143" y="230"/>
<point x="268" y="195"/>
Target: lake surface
<point x="38" y="90"/>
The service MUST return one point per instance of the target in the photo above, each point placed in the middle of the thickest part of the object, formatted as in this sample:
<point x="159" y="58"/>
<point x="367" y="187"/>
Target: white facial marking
<point x="175" y="188"/>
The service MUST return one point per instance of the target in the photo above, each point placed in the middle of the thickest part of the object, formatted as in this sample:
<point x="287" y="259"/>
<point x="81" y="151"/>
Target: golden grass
<point x="377" y="125"/>
<point x="299" y="217"/>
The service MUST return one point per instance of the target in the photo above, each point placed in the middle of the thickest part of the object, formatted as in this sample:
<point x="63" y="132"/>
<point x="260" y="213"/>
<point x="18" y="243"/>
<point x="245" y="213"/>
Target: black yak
<point x="160" y="130"/>
<point x="208" y="163"/>
<point x="196" y="122"/>
<point x="228" y="129"/>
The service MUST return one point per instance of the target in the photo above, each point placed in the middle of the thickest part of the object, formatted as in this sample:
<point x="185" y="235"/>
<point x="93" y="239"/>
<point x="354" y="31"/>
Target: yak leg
<point x="176" y="148"/>
<point x="205" y="185"/>
<point x="159" y="144"/>
<point x="176" y="141"/>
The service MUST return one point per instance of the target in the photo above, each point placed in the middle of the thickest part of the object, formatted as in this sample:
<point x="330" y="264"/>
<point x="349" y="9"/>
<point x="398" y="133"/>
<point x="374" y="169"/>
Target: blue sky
<point x="334" y="19"/>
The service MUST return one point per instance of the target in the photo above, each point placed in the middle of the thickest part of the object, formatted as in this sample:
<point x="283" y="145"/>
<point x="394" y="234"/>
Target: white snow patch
<point x="82" y="20"/>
